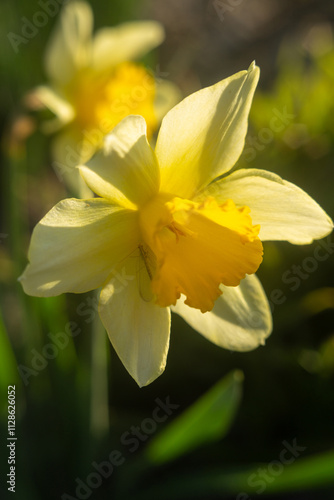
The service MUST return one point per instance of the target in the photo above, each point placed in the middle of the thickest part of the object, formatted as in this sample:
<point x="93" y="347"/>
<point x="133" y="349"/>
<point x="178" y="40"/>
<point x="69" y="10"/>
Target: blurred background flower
<point x="76" y="407"/>
<point x="95" y="83"/>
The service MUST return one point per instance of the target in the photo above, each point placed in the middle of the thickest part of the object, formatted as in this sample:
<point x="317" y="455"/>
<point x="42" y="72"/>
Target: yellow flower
<point x="168" y="232"/>
<point x="95" y="84"/>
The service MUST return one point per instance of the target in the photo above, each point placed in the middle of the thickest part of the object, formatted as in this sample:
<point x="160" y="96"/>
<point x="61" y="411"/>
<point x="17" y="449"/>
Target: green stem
<point x="99" y="411"/>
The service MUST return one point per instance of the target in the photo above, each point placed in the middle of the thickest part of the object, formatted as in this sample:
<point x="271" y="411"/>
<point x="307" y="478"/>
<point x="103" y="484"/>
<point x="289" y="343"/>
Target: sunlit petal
<point x="283" y="210"/>
<point x="76" y="246"/>
<point x="138" y="329"/>
<point x="203" y="136"/>
<point x="125" y="171"/>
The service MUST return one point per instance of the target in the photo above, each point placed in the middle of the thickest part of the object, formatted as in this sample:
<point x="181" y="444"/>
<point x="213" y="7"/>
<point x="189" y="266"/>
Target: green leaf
<point x="207" y="420"/>
<point x="304" y="474"/>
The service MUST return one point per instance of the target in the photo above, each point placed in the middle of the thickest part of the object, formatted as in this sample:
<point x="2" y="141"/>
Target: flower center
<point x="102" y="100"/>
<point x="197" y="247"/>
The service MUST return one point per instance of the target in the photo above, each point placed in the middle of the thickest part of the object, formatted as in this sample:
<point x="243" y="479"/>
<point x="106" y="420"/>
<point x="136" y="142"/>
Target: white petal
<point x="284" y="211"/>
<point x="138" y="329"/>
<point x="125" y="171"/>
<point x="69" y="48"/>
<point x="77" y="245"/>
<point x="203" y="136"/>
<point x="240" y="320"/>
<point x="125" y="42"/>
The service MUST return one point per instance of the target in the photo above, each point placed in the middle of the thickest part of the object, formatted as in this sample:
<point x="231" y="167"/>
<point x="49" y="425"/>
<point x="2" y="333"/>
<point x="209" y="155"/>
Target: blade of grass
<point x="207" y="420"/>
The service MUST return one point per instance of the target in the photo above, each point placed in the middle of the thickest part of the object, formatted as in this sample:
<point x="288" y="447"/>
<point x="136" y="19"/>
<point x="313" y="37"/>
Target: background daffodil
<point x="95" y="83"/>
<point x="170" y="222"/>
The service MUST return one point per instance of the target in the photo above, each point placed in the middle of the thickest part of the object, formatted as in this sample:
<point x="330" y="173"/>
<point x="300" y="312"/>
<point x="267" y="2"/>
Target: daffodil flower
<point x="170" y="230"/>
<point x="94" y="84"/>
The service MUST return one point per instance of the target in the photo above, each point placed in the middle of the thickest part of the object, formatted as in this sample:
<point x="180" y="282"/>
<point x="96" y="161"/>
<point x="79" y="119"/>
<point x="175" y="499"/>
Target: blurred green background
<point x="235" y="413"/>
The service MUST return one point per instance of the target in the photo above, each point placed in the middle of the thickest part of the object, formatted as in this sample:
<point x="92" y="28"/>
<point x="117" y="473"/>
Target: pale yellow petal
<point x="240" y="320"/>
<point x="203" y="136"/>
<point x="283" y="210"/>
<point x="138" y="329"/>
<point x="57" y="104"/>
<point x="125" y="42"/>
<point x="77" y="245"/>
<point x="69" y="48"/>
<point x="125" y="171"/>
<point x="66" y="154"/>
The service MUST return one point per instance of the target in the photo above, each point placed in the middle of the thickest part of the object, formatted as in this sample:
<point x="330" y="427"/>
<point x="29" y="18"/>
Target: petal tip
<point x="157" y="30"/>
<point x="147" y="381"/>
<point x="253" y="69"/>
